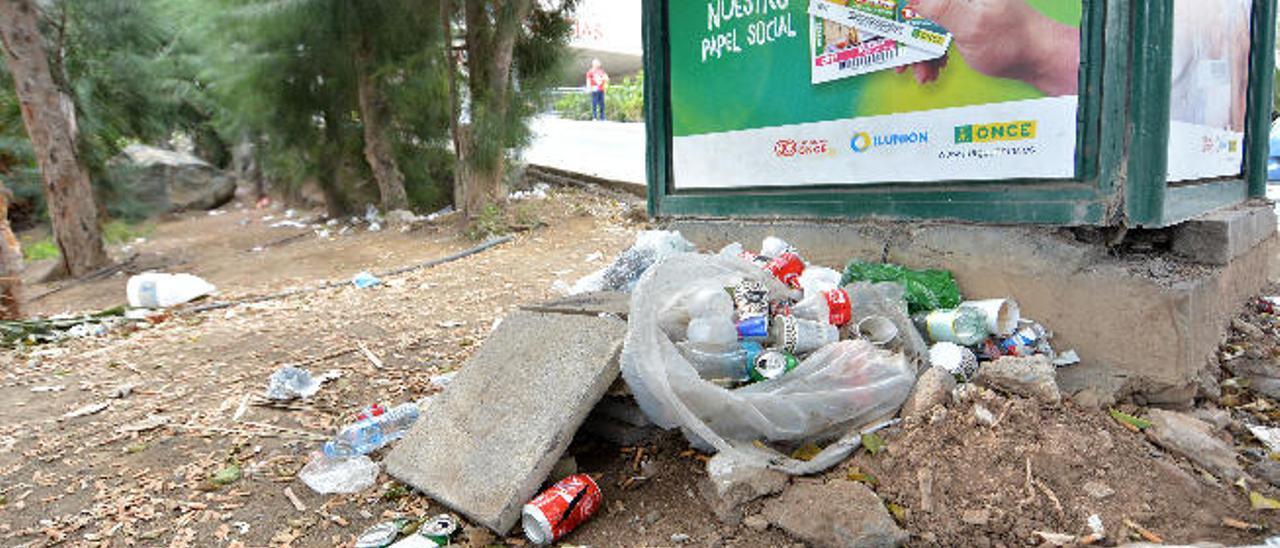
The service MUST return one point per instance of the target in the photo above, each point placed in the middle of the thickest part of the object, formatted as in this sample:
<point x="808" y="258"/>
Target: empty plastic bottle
<point x="964" y="326"/>
<point x="368" y="435"/>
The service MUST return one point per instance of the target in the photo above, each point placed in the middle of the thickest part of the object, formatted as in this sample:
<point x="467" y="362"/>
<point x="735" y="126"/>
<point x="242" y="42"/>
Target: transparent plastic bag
<point x="888" y="300"/>
<point x="834" y="391"/>
<point x="339" y="475"/>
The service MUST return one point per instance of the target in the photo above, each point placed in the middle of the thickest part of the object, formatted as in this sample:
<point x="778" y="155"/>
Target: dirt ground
<point x="91" y="481"/>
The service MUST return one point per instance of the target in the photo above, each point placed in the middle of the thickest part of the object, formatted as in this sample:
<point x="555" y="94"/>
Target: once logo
<point x="1002" y="131"/>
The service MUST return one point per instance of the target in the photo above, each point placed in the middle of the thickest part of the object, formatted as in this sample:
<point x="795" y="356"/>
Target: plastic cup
<point x="798" y="336"/>
<point x="877" y="330"/>
<point x="1002" y="314"/>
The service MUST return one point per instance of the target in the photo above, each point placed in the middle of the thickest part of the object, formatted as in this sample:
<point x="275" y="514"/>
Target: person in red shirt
<point x="597" y="82"/>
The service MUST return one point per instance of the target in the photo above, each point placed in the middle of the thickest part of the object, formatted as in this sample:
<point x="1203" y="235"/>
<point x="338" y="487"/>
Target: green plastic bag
<point x="925" y="289"/>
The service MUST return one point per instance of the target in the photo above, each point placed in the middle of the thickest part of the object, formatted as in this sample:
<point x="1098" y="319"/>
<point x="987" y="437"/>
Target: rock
<point x="932" y="388"/>
<point x="965" y="393"/>
<point x="730" y="484"/>
<point x="398" y="218"/>
<point x="1193" y="439"/>
<point x="837" y="513"/>
<point x="1266" y="386"/>
<point x="1253" y="332"/>
<point x="680" y="538"/>
<point x="983" y="415"/>
<point x="756" y="523"/>
<point x="492" y="438"/>
<point x="1032" y="377"/>
<point x="1218" y="418"/>
<point x="1266" y="470"/>
<point x="1098" y="490"/>
<point x="1087" y="399"/>
<point x="977" y="516"/>
<point x="173" y="181"/>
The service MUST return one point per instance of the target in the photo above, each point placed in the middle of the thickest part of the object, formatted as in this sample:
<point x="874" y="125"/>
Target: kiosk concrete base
<point x="1146" y="325"/>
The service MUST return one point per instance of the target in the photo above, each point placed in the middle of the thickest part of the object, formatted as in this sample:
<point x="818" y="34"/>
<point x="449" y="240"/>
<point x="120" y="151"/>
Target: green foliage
<point x="491" y="222"/>
<point x="622" y="102"/>
<point x="41" y="250"/>
<point x="115" y="232"/>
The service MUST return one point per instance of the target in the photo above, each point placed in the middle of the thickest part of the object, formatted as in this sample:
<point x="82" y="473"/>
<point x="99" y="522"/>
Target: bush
<point x="622" y="103"/>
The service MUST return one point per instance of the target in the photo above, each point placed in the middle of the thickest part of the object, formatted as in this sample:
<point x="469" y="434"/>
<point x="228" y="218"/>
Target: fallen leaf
<point x="1261" y="502"/>
<point x="899" y="513"/>
<point x="862" y="477"/>
<point x="227" y="475"/>
<point x="1125" y="418"/>
<point x="806" y="452"/>
<point x="874" y="443"/>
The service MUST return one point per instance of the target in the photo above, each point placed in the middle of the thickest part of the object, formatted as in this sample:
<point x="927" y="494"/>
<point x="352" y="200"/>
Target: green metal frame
<point x="1122" y="142"/>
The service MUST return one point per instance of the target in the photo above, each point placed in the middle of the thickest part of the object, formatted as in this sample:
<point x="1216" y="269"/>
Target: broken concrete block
<point x="730" y="484"/>
<point x="837" y="513"/>
<point x="1219" y="236"/>
<point x="1031" y="377"/>
<point x="1193" y="439"/>
<point x="932" y="388"/>
<point x="491" y="439"/>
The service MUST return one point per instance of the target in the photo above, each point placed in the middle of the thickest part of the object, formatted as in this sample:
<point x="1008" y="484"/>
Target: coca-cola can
<point x="561" y="509"/>
<point x="787" y="268"/>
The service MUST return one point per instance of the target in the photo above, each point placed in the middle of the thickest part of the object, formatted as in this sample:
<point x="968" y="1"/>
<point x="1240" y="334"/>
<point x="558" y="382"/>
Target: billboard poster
<point x="785" y="93"/>
<point x="1210" y="85"/>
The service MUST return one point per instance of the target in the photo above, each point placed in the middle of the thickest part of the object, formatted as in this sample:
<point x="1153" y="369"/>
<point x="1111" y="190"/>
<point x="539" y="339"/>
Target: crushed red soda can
<point x="1269" y="305"/>
<point x="561" y="509"/>
<point x="787" y="268"/>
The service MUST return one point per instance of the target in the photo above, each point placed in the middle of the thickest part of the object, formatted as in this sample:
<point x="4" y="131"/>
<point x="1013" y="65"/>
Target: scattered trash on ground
<point x="650" y="247"/>
<point x="561" y="509"/>
<point x="339" y="475"/>
<point x="289" y="383"/>
<point x="41" y="331"/>
<point x="373" y="431"/>
<point x="159" y="290"/>
<point x="365" y="280"/>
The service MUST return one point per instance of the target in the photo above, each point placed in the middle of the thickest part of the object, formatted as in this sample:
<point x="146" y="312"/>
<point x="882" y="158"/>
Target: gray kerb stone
<point x="487" y="443"/>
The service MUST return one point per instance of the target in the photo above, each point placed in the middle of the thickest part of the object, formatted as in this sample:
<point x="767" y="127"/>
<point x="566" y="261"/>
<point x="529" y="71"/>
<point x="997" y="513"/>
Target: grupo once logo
<point x="791" y="148"/>
<point x="1001" y="131"/>
<point x="862" y="140"/>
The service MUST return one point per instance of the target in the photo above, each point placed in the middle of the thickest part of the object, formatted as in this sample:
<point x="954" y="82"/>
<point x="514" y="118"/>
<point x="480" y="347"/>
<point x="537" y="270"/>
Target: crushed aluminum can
<point x="380" y="535"/>
<point x="561" y="509"/>
<point x="787" y="268"/>
<point x="440" y="529"/>
<point x="771" y="364"/>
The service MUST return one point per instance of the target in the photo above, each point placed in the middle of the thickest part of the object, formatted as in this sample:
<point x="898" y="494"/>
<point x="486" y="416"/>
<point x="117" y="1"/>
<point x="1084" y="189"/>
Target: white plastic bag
<point x="339" y="475"/>
<point x="834" y="391"/>
<point x="157" y="290"/>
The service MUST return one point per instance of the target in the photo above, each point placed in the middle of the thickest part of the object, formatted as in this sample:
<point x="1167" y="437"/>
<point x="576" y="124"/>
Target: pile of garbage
<point x="740" y="348"/>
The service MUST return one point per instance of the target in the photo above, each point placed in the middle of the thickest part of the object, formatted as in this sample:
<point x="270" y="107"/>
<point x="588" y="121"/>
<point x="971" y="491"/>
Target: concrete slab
<point x="488" y="442"/>
<point x="615" y="303"/>
<point x="1143" y="324"/>
<point x="1220" y="236"/>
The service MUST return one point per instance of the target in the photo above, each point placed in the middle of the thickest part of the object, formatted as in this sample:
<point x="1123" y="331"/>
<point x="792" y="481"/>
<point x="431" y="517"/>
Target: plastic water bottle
<point x="964" y="326"/>
<point x="368" y="435"/>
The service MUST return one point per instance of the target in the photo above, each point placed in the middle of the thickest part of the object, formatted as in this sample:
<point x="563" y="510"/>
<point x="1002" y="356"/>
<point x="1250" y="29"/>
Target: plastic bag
<point x="925" y="289"/>
<point x="289" y="383"/>
<point x="886" y="300"/>
<point x="837" y="388"/>
<point x="339" y="475"/>
<point x="651" y="246"/>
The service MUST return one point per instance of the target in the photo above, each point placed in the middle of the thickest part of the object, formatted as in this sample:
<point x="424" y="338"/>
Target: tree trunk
<point x="451" y="66"/>
<point x="51" y="128"/>
<point x="378" y="151"/>
<point x="490" y="80"/>
<point x="10" y="263"/>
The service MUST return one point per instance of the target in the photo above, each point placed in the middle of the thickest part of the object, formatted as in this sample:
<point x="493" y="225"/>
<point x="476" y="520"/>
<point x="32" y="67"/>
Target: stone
<point x="1031" y="377"/>
<point x="613" y="303"/>
<point x="173" y="181"/>
<point x="932" y="388"/>
<point x="398" y="218"/>
<point x="680" y="538"/>
<point x="1220" y="419"/>
<point x="493" y="437"/>
<point x="834" y="514"/>
<point x="755" y="522"/>
<point x="965" y="393"/>
<point x="1220" y="236"/>
<point x="1194" y="440"/>
<point x="983" y="415"/>
<point x="976" y="516"/>
<point x="1098" y="490"/>
<point x="1253" y="332"/>
<point x="731" y="483"/>
<point x="1087" y="399"/>
<point x="1266" y="470"/>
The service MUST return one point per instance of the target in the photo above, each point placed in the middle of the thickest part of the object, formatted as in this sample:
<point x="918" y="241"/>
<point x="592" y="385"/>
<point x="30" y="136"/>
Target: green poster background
<point x="769" y="85"/>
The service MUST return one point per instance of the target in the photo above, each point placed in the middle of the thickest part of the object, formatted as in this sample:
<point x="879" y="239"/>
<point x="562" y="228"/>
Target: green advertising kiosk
<point x="1134" y="113"/>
